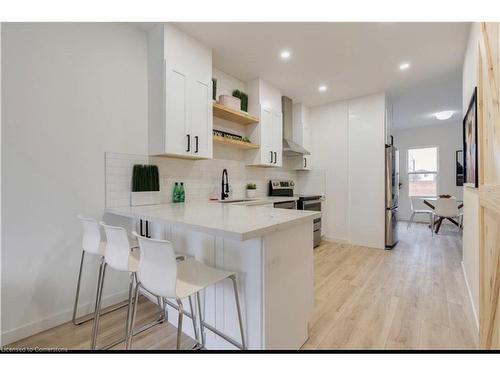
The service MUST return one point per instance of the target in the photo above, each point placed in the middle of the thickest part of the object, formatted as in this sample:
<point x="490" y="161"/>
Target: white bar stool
<point x="92" y="244"/>
<point x="118" y="256"/>
<point x="160" y="275"/>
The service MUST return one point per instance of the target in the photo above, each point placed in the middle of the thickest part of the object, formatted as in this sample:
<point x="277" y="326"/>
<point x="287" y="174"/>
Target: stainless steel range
<point x="285" y="188"/>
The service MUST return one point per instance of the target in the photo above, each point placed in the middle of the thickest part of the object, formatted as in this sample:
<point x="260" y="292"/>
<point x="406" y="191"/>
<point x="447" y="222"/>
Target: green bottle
<point x="182" y="193"/>
<point x="175" y="194"/>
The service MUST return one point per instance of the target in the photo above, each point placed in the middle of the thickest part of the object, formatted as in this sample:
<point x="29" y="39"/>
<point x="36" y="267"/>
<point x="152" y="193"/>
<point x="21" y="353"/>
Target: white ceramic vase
<point x="251" y="193"/>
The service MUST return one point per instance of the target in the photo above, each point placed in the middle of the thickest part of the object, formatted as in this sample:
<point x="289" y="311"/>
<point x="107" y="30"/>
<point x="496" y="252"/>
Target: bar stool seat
<point x="194" y="276"/>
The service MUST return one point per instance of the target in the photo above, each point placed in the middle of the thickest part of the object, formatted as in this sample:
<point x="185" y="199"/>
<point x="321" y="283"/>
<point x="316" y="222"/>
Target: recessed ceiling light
<point x="444" y="115"/>
<point x="285" y="55"/>
<point x="322" y="88"/>
<point x="404" y="66"/>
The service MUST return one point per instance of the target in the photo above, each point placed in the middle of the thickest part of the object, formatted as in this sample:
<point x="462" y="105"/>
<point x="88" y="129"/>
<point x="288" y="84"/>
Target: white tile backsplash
<point x="199" y="176"/>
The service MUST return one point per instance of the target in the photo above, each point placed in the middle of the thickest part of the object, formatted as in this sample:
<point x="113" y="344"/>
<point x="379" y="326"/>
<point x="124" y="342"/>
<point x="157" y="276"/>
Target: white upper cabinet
<point x="265" y="100"/>
<point x="277" y="138"/>
<point x="301" y="136"/>
<point x="180" y="102"/>
<point x="301" y="129"/>
<point x="301" y="162"/>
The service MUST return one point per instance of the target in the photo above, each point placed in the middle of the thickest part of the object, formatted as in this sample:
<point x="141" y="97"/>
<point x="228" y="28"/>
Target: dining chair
<point x="419" y="211"/>
<point x="446" y="208"/>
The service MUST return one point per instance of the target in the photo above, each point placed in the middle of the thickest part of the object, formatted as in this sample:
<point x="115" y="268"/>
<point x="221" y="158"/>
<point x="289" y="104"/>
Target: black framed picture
<point x="471" y="164"/>
<point x="459" y="172"/>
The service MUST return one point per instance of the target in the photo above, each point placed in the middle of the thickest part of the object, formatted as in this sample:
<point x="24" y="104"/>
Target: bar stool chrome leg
<point x="134" y="313"/>
<point x="193" y="318"/>
<point x="161" y="308"/>
<point x="236" y="297"/>
<point x="102" y="272"/>
<point x="179" y="323"/>
<point x="202" y="327"/>
<point x="165" y="310"/>
<point x="77" y="297"/>
<point x="130" y="304"/>
<point x="78" y="288"/>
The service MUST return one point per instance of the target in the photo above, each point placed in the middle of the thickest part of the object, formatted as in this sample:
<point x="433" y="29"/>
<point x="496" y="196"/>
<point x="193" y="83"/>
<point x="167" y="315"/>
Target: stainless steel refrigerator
<point x="391" y="195"/>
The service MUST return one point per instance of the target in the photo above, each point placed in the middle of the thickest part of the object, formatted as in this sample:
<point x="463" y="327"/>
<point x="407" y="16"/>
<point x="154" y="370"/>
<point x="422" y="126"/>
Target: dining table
<point x="430" y="202"/>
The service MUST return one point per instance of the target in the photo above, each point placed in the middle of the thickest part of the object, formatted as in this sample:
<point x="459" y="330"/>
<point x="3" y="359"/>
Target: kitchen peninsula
<point x="270" y="249"/>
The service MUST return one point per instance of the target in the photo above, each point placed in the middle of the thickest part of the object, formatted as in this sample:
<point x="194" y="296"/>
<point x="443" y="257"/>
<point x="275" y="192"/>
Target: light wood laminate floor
<point x="413" y="297"/>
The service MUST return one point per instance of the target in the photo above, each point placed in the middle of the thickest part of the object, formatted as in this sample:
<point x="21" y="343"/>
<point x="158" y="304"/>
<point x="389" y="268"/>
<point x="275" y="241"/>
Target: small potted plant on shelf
<point x="251" y="190"/>
<point x="243" y="100"/>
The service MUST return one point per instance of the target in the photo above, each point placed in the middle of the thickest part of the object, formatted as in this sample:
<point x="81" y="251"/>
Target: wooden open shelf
<point x="233" y="115"/>
<point x="235" y="143"/>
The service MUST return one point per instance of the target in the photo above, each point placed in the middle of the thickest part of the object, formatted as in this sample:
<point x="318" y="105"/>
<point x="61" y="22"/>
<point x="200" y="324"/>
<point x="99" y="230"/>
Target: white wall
<point x="347" y="142"/>
<point x="448" y="139"/>
<point x="70" y="92"/>
<point x="471" y="195"/>
<point x="76" y="91"/>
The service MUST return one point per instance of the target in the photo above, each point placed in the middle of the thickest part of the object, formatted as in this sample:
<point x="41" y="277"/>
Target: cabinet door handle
<point x="189" y="143"/>
<point x="275" y="158"/>
<point x="196" y="143"/>
<point x="305" y="163"/>
<point x="271" y="157"/>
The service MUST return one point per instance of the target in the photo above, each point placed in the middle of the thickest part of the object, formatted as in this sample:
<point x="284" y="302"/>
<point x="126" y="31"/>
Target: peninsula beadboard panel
<point x="489" y="184"/>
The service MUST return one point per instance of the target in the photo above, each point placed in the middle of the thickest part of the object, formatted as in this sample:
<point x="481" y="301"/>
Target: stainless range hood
<point x="290" y="148"/>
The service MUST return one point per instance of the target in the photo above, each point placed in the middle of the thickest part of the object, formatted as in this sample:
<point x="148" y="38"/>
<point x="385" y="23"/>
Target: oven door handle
<point x="305" y="203"/>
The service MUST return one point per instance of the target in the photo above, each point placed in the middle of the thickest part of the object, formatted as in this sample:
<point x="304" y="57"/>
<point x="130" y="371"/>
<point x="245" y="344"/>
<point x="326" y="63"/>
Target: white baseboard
<point x="32" y="328"/>
<point x="476" y="317"/>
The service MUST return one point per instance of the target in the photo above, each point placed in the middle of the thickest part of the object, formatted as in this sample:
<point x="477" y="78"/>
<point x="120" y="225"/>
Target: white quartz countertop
<point x="229" y="220"/>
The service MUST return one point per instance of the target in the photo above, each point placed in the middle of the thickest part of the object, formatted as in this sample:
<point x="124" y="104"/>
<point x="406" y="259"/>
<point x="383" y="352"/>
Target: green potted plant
<point x="243" y="98"/>
<point x="251" y="190"/>
<point x="145" y="185"/>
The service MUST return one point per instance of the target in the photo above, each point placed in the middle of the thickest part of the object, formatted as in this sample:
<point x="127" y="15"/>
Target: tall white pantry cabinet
<point x="180" y="94"/>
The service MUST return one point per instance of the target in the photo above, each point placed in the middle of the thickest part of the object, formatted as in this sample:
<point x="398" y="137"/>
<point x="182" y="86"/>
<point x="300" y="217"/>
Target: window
<point x="422" y="172"/>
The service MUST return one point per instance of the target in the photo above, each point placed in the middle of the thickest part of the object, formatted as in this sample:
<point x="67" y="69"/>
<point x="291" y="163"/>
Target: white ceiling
<point x="353" y="59"/>
<point x="416" y="104"/>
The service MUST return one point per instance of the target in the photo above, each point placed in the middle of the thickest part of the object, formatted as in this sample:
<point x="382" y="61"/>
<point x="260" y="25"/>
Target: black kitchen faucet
<point x="225" y="186"/>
